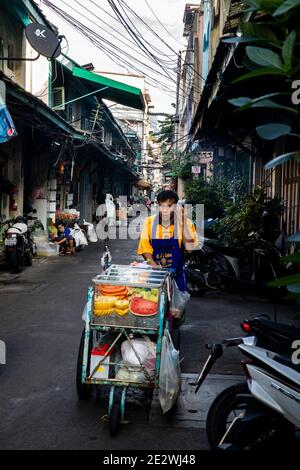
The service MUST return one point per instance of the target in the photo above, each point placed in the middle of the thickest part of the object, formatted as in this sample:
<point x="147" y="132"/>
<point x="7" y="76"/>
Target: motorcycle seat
<point x="286" y="361"/>
<point x="223" y="249"/>
<point x="283" y="330"/>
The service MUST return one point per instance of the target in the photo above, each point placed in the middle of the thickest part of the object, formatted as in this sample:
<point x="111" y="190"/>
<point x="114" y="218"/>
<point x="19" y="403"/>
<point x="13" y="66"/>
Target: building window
<point x="11" y="53"/>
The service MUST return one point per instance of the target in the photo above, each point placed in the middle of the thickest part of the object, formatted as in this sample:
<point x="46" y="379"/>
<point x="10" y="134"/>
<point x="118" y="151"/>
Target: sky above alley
<point x="158" y="22"/>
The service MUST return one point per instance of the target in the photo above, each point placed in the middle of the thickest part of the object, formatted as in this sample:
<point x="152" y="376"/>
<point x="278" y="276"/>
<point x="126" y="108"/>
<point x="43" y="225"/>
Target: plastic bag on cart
<point x="88" y="305"/>
<point x="179" y="299"/>
<point x="91" y="232"/>
<point x="144" y="348"/>
<point x="170" y="374"/>
<point x="132" y="373"/>
<point x="85" y="311"/>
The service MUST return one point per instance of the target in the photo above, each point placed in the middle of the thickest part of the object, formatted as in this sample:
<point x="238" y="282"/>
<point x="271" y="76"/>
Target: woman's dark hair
<point x="167" y="194"/>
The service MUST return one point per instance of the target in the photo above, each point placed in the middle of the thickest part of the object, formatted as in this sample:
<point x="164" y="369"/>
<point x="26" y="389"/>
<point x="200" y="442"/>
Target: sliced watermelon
<point x="142" y="307"/>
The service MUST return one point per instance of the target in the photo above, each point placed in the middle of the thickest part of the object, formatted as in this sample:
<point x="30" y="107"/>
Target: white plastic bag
<point x="91" y="232"/>
<point x="170" y="374"/>
<point x="85" y="311"/>
<point x="79" y="236"/>
<point x="133" y="373"/>
<point x="179" y="299"/>
<point x="88" y="306"/>
<point x="145" y="349"/>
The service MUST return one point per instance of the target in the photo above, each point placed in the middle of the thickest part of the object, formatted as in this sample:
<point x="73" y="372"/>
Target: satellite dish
<point x="43" y="40"/>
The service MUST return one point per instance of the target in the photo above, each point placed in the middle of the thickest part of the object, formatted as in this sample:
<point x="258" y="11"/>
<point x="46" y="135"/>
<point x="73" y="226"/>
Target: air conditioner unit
<point x="58" y="98"/>
<point x="86" y="124"/>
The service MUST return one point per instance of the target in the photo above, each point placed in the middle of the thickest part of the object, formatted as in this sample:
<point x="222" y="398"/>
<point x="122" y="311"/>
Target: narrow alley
<point x="41" y="325"/>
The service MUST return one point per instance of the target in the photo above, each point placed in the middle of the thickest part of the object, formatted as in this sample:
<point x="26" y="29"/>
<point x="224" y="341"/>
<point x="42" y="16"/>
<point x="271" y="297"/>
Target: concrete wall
<point x="11" y="157"/>
<point x="12" y="34"/>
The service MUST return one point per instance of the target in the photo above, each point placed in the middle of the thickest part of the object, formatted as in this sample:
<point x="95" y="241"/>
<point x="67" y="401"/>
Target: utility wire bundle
<point x="127" y="39"/>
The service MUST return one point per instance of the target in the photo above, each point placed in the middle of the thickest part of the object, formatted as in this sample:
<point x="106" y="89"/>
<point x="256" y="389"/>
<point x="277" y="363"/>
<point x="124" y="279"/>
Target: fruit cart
<point x="126" y="314"/>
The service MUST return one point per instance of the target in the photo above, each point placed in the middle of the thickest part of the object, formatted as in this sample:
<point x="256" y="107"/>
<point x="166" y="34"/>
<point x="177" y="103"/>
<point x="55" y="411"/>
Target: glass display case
<point x="128" y="296"/>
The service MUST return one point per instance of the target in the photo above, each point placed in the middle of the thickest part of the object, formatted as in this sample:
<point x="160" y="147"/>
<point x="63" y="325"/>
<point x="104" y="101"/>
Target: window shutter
<point x="58" y="98"/>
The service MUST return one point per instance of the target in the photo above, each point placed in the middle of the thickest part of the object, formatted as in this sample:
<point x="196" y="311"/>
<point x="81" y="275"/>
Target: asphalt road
<point x="40" y="322"/>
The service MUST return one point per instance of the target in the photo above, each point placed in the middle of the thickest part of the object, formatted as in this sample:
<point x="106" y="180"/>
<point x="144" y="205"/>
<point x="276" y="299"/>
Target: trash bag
<point x="79" y="236"/>
<point x="170" y="374"/>
<point x="145" y="349"/>
<point x="179" y="299"/>
<point x="91" y="232"/>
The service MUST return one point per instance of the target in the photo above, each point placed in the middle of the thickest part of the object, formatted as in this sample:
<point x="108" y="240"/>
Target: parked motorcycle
<point x="264" y="412"/>
<point x="250" y="268"/>
<point x="18" y="244"/>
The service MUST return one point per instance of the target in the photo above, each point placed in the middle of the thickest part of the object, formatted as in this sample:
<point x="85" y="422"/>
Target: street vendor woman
<point x="165" y="236"/>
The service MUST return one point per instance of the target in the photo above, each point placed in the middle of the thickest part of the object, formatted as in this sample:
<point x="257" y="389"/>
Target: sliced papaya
<point x="112" y="289"/>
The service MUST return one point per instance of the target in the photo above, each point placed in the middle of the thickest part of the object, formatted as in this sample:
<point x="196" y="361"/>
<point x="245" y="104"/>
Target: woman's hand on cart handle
<point x="153" y="264"/>
<point x="150" y="261"/>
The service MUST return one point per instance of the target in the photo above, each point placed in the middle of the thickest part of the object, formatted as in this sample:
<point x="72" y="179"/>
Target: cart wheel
<point x="148" y="401"/>
<point x="83" y="390"/>
<point x="114" y="419"/>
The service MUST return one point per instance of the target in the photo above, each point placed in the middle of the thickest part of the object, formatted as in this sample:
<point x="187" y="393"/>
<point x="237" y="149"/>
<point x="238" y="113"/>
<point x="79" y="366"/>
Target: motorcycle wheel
<point x="194" y="288"/>
<point x="15" y="262"/>
<point x="228" y="405"/>
<point x="28" y="259"/>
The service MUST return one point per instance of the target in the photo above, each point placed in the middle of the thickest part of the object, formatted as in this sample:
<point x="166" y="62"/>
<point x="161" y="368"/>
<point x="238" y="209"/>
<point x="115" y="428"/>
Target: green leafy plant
<point x="246" y="215"/>
<point x="215" y="193"/>
<point x="272" y="39"/>
<point x="165" y="134"/>
<point x="291" y="282"/>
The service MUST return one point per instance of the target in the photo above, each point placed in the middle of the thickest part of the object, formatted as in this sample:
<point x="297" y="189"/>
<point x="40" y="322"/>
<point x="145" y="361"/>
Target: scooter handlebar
<point x="6" y="222"/>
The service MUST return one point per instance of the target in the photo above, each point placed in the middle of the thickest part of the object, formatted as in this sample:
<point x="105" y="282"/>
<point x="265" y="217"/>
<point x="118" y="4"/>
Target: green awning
<point x="38" y="107"/>
<point x="116" y="91"/>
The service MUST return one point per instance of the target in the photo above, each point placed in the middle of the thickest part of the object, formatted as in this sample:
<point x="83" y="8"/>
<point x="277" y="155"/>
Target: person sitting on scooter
<point x="65" y="240"/>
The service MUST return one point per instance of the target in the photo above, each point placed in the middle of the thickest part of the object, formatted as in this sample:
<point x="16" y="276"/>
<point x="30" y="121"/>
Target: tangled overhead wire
<point x="158" y="66"/>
